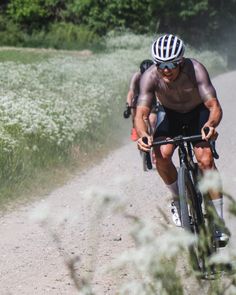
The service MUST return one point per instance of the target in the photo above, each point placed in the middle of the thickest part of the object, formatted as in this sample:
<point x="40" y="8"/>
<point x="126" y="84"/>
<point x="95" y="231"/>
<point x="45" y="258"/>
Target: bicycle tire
<point x="183" y="198"/>
<point x="192" y="219"/>
<point x="185" y="194"/>
<point x="190" y="201"/>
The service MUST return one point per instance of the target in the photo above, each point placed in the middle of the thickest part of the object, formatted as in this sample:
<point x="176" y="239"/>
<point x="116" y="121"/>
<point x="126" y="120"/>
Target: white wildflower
<point x="210" y="181"/>
<point x="224" y="257"/>
<point x="231" y="290"/>
<point x="35" y="148"/>
<point x="134" y="288"/>
<point x="151" y="248"/>
<point x="104" y="198"/>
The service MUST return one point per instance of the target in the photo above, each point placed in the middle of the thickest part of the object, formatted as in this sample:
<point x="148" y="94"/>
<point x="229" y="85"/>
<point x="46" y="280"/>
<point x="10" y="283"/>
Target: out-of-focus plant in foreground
<point x="158" y="262"/>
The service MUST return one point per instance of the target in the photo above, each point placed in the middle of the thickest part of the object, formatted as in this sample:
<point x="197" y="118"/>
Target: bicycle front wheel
<point x="192" y="219"/>
<point x="184" y="192"/>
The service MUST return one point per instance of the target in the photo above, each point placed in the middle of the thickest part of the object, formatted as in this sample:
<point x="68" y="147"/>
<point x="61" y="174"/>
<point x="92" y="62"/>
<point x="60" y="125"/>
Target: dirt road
<point x="32" y="260"/>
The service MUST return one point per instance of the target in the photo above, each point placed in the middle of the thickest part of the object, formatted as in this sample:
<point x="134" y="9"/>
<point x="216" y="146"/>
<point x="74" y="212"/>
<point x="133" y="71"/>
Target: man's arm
<point x="209" y="97"/>
<point x="141" y="119"/>
<point x="143" y="109"/>
<point x="129" y="97"/>
<point x="216" y="113"/>
<point x="133" y="88"/>
<point x="214" y="119"/>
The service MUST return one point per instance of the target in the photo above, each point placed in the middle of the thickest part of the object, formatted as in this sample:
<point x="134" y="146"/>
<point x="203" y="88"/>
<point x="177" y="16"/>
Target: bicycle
<point x="195" y="213"/>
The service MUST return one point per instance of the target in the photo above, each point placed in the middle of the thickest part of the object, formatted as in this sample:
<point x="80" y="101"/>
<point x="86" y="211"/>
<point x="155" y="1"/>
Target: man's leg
<point x="168" y="173"/>
<point x="206" y="162"/>
<point x="164" y="164"/>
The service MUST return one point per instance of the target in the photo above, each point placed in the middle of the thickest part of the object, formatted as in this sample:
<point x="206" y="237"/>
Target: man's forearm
<point x="215" y="115"/>
<point x="141" y="126"/>
<point x="129" y="98"/>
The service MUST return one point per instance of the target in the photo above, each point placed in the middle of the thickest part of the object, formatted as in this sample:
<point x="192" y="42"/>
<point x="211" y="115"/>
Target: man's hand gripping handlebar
<point x="209" y="133"/>
<point x="127" y="111"/>
<point x="145" y="143"/>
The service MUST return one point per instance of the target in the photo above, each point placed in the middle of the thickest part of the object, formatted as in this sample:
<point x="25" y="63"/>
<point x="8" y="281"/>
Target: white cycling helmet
<point x="167" y="48"/>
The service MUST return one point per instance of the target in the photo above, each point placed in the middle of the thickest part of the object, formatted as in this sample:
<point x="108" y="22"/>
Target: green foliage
<point x="63" y="36"/>
<point x="104" y="15"/>
<point x="10" y="33"/>
<point x="70" y="36"/>
<point x="197" y="21"/>
<point x="127" y="40"/>
<point x="23" y="10"/>
<point x="58" y="35"/>
<point x="35" y="14"/>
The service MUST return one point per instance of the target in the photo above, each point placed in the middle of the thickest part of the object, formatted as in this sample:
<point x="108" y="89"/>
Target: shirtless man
<point x="187" y="97"/>
<point x="132" y="97"/>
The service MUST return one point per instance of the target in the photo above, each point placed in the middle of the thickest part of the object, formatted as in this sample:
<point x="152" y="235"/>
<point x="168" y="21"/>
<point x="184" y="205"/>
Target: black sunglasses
<point x="168" y="65"/>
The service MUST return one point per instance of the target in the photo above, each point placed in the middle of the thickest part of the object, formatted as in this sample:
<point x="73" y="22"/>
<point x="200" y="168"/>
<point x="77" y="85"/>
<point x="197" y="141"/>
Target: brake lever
<point x="213" y="149"/>
<point x="212" y="144"/>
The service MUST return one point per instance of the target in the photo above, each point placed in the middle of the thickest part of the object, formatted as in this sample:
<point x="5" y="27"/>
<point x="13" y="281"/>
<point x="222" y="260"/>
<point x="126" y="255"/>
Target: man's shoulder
<point x="136" y="75"/>
<point x="193" y="63"/>
<point x="135" y="79"/>
<point x="193" y="67"/>
<point x="150" y="73"/>
<point x="150" y="78"/>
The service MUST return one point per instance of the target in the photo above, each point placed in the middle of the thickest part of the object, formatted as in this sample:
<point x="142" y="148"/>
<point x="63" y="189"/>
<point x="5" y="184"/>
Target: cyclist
<point x="132" y="96"/>
<point x="187" y="97"/>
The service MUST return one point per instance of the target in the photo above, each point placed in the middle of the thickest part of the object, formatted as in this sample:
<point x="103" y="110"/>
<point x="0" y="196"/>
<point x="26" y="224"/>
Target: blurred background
<point x="78" y="24"/>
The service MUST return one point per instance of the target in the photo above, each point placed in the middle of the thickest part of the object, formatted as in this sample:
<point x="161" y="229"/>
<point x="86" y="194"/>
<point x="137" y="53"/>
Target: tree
<point x="35" y="14"/>
<point x="104" y="15"/>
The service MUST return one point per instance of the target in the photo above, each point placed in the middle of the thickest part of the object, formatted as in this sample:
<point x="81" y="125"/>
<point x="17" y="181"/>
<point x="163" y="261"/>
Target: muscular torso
<point x="191" y="88"/>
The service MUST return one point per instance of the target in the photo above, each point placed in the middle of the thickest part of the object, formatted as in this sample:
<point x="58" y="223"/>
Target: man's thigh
<point x="164" y="152"/>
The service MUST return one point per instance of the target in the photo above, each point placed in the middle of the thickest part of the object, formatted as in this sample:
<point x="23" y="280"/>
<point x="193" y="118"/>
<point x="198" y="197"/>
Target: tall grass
<point x="50" y="106"/>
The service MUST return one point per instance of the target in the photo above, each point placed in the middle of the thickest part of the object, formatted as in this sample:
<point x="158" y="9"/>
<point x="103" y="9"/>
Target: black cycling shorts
<point x="171" y="123"/>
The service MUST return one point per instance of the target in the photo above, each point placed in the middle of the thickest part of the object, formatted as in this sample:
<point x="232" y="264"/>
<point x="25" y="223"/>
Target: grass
<point x="23" y="56"/>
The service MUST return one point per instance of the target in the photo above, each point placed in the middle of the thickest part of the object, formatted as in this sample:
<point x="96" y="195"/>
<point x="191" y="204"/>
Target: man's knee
<point x="204" y="157"/>
<point x="163" y="161"/>
<point x="206" y="162"/>
<point x="163" y="156"/>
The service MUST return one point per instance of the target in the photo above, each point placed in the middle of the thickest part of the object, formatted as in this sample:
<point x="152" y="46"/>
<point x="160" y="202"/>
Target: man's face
<point x="168" y="73"/>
